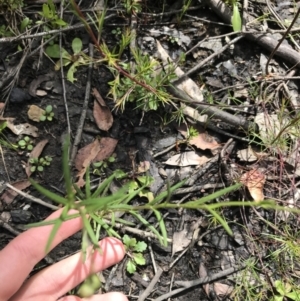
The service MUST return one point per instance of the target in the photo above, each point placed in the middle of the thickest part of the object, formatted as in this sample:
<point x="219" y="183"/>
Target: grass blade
<point x="51" y="195"/>
<point x="66" y="170"/>
<point x="87" y="183"/>
<point x="217" y="194"/>
<point x="146" y="223"/>
<point x="167" y="193"/>
<point x="103" y="185"/>
<point x="220" y="220"/>
<point x="162" y="226"/>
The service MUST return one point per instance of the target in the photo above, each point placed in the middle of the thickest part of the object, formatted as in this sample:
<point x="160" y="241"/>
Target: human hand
<point x="19" y="257"/>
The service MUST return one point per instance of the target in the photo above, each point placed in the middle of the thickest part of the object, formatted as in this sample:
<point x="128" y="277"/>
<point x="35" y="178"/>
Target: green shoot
<point x="38" y="164"/>
<point x="49" y="13"/>
<point x="134" y="250"/>
<point x="47" y="114"/>
<point x="78" y="58"/>
<point x="25" y="143"/>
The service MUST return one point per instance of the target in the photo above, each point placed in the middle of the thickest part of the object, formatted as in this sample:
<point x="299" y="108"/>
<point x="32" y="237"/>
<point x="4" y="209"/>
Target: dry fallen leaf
<point x="108" y="146"/>
<point x="35" y="113"/>
<point x="101" y="112"/>
<point x="22" y="128"/>
<point x="143" y="166"/>
<point x="203" y="274"/>
<point x="187" y="85"/>
<point x="187" y="159"/>
<point x="222" y="290"/>
<point x="250" y="155"/>
<point x="9" y="194"/>
<point x="35" y="153"/>
<point x="202" y="141"/>
<point x="254" y="181"/>
<point x="180" y="241"/>
<point x="98" y="150"/>
<point x="87" y="154"/>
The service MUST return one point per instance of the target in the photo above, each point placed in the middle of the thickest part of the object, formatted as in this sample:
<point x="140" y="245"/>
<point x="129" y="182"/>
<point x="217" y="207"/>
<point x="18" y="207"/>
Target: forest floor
<point x="165" y="91"/>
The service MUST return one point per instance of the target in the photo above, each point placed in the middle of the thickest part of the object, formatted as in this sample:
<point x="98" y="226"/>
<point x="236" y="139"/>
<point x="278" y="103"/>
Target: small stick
<point x="31" y="198"/>
<point x="281" y="40"/>
<point x="84" y="107"/>
<point x="151" y="285"/>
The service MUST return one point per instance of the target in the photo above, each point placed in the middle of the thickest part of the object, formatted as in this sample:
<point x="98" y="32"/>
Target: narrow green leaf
<point x="108" y="229"/>
<point x="161" y="226"/>
<point x="220" y="220"/>
<point x="51" y="195"/>
<point x="236" y="19"/>
<point x="102" y="203"/>
<point x="103" y="185"/>
<point x="89" y="230"/>
<point x="216" y="195"/>
<point x="125" y="222"/>
<point x="66" y="170"/>
<point x="53" y="234"/>
<point x="79" y="193"/>
<point x="57" y="224"/>
<point x="148" y="225"/>
<point x="41" y="224"/>
<point x="165" y="194"/>
<point x="3" y="125"/>
<point x="87" y="183"/>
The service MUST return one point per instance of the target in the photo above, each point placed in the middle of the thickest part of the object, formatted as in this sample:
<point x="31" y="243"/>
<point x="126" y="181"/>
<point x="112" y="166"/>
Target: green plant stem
<point x="94" y="39"/>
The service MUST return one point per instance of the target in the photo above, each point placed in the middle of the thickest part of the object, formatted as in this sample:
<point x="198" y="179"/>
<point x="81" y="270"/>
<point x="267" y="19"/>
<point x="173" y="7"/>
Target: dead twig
<point x="151" y="285"/>
<point x="84" y="107"/>
<point x="188" y="284"/>
<point x="31" y="198"/>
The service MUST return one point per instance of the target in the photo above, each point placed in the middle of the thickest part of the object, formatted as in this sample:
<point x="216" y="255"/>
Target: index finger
<point x="20" y="256"/>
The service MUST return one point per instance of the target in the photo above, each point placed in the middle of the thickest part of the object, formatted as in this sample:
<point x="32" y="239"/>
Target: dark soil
<point x="144" y="135"/>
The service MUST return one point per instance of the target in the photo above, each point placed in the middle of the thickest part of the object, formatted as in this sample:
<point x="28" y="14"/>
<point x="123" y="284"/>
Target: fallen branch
<point x="265" y="40"/>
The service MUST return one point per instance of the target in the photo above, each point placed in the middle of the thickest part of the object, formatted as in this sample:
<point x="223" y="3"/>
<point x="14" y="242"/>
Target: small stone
<point x="17" y="95"/>
<point x="20" y="216"/>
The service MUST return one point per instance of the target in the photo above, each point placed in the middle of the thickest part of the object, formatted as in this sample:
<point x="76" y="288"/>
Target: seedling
<point x="5" y="31"/>
<point x="236" y="20"/>
<point x="143" y="182"/>
<point x="102" y="165"/>
<point x="49" y="13"/>
<point x="134" y="251"/>
<point x="285" y="290"/>
<point x="192" y="133"/>
<point x="78" y="57"/>
<point x="116" y="32"/>
<point x="11" y="5"/>
<point x="38" y="164"/>
<point x="149" y="71"/>
<point x="26" y="143"/>
<point x="47" y="114"/>
<point x="132" y="6"/>
<point x="172" y="39"/>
